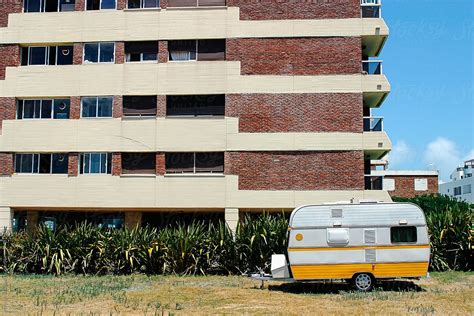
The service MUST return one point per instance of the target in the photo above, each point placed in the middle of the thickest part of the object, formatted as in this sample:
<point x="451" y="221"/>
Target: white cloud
<point x="400" y="154"/>
<point x="443" y="155"/>
<point x="469" y="156"/>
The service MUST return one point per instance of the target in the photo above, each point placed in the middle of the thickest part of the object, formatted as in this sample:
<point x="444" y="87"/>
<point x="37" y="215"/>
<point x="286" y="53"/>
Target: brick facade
<point x="9" y="57"/>
<point x="116" y="164"/>
<point x="6" y="164"/>
<point x="343" y="170"/>
<point x="405" y="186"/>
<point x="305" y="112"/>
<point x="7" y="7"/>
<point x="161" y="105"/>
<point x="162" y="51"/>
<point x="121" y="4"/>
<point x="77" y="54"/>
<point x="296" y="9"/>
<point x="73" y="165"/>
<point x="296" y="56"/>
<point x="117" y="108"/>
<point x="160" y="164"/>
<point x="119" y="52"/>
<point x="7" y="110"/>
<point x="80" y="5"/>
<point x="75" y="108"/>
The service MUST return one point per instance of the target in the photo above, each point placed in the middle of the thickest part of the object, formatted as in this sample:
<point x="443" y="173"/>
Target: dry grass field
<point x="443" y="293"/>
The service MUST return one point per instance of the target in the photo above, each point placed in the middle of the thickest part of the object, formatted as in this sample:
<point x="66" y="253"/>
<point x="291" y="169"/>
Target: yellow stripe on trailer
<point x="357" y="247"/>
<point x="346" y="271"/>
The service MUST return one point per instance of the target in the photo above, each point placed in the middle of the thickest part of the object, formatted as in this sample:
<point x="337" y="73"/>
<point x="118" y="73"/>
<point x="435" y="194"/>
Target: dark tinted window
<point x="139" y="105"/>
<point x="64" y="54"/>
<point x="196" y="105"/>
<point x="211" y="49"/>
<point x="406" y="234"/>
<point x="138" y="163"/>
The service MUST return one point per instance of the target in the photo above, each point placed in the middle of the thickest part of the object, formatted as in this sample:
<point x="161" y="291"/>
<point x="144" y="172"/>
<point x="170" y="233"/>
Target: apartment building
<point x="461" y="183"/>
<point x="119" y="111"/>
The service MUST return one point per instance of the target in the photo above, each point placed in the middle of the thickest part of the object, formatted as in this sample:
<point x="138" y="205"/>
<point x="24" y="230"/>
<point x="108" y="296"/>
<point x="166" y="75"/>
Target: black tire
<point x="363" y="282"/>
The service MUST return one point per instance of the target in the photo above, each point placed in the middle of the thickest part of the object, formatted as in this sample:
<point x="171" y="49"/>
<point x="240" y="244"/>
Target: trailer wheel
<point x="363" y="282"/>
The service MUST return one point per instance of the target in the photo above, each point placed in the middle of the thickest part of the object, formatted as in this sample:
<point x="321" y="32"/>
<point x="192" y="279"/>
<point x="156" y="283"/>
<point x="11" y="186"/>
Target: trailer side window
<point x="403" y="234"/>
<point x="337" y="236"/>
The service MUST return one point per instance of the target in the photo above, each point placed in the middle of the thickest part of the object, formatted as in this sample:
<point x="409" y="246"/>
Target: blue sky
<point x="428" y="60"/>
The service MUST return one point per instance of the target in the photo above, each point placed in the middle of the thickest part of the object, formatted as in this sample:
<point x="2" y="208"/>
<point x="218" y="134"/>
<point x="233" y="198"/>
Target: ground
<point x="450" y="292"/>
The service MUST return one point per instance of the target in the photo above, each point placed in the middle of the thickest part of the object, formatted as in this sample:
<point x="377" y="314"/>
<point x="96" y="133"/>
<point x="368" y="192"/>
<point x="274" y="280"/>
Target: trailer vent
<point x="369" y="255"/>
<point x="369" y="236"/>
<point x="336" y="212"/>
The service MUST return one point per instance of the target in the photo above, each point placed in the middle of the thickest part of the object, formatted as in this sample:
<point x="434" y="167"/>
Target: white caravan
<point x="358" y="242"/>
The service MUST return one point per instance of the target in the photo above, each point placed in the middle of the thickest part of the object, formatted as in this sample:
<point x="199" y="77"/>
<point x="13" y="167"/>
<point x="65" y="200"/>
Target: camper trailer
<point x="356" y="242"/>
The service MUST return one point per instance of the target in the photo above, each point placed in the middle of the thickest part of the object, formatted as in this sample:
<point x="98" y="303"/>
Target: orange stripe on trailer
<point x="347" y="271"/>
<point x="357" y="247"/>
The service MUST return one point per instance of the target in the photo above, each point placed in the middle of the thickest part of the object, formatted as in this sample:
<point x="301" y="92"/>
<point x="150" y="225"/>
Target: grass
<point x="443" y="293"/>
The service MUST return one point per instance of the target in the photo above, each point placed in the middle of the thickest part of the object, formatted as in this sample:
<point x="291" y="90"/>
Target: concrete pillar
<point x="232" y="218"/>
<point x="133" y="219"/>
<point x="6" y="219"/>
<point x="32" y="220"/>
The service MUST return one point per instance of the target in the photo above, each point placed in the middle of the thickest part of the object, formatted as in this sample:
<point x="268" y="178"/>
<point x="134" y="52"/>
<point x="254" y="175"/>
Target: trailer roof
<point x="357" y="215"/>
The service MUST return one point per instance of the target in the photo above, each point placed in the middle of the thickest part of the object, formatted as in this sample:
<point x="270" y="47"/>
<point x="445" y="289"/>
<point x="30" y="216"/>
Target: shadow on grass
<point x="337" y="287"/>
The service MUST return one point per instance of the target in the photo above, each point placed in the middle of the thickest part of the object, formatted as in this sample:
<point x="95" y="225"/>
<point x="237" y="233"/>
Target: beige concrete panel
<point x="376" y="141"/>
<point x="171" y="78"/>
<point x="113" y="25"/>
<point x="6" y="218"/>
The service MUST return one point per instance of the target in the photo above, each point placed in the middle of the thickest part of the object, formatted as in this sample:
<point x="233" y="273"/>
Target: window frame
<point x="186" y="60"/>
<point x="53" y="103"/>
<point x="36" y="163"/>
<point x="403" y="242"/>
<point x="108" y="158"/>
<point x="100" y="6"/>
<point x="194" y="165"/>
<point x="43" y="7"/>
<point x="47" y="55"/>
<point x="142" y="6"/>
<point x="99" y="44"/>
<point x="97" y="107"/>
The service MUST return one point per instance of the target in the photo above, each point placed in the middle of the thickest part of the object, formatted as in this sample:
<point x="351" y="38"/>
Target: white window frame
<point x="194" y="167"/>
<point x="420" y="184"/>
<point x="41" y="109"/>
<point x="142" y="6"/>
<point x="46" y="59"/>
<point x="82" y="159"/>
<point x="43" y="6"/>
<point x="38" y="155"/>
<point x="98" y="52"/>
<point x="100" y="6"/>
<point x="186" y="60"/>
<point x="141" y="59"/>
<point x="389" y="184"/>
<point x="97" y="107"/>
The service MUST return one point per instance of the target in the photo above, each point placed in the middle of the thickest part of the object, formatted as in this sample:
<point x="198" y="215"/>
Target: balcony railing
<point x="373" y="182"/>
<point x="372" y="67"/>
<point x="371" y="8"/>
<point x="373" y="124"/>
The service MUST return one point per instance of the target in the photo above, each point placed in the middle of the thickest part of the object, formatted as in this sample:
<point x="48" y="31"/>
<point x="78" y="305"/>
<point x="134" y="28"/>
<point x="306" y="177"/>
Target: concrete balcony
<point x="156" y="192"/>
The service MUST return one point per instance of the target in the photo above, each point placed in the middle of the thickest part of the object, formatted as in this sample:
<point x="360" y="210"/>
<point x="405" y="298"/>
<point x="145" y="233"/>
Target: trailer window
<point x="403" y="234"/>
<point x="337" y="236"/>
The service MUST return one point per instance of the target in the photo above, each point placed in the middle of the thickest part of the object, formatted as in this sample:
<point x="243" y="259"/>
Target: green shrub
<point x="450" y="225"/>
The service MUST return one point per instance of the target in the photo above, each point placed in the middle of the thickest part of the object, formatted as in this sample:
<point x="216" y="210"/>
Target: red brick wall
<point x="80" y="5"/>
<point x="75" y="108"/>
<point x="160" y="164"/>
<point x="119" y="52"/>
<point x="405" y="186"/>
<point x="343" y="170"/>
<point x="9" y="57"/>
<point x="296" y="9"/>
<point x="6" y="164"/>
<point x="77" y="54"/>
<point x="7" y="110"/>
<point x="299" y="112"/>
<point x="121" y="4"/>
<point x="161" y="105"/>
<point x="296" y="56"/>
<point x="162" y="51"/>
<point x="73" y="165"/>
<point x="116" y="164"/>
<point x="117" y="107"/>
<point x="7" y="7"/>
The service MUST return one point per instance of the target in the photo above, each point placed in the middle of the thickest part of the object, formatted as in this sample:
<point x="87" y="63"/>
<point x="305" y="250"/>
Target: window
<point x="41" y="163"/>
<point x="48" y="5"/>
<point x="212" y="162"/>
<point x="187" y="50"/>
<point x="138" y="4"/>
<point x="389" y="184"/>
<point x="141" y="51"/>
<point x="421" y="184"/>
<point x="138" y="163"/>
<point x="466" y="189"/>
<point x="99" y="52"/>
<point x="337" y="236"/>
<point x="100" y="4"/>
<point x="46" y="55"/>
<point x="457" y="190"/>
<point x="95" y="163"/>
<point x="43" y="109"/>
<point x="139" y="106"/>
<point x="403" y="234"/>
<point x="195" y="105"/>
<point x="97" y="106"/>
<point x="196" y="3"/>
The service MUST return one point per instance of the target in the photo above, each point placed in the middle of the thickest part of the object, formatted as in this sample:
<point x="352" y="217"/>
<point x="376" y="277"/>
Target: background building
<point x="461" y="184"/>
<point x="118" y="111"/>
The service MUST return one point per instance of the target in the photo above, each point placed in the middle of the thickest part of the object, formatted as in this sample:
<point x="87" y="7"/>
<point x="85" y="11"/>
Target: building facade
<point x="127" y="108"/>
<point x="461" y="183"/>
